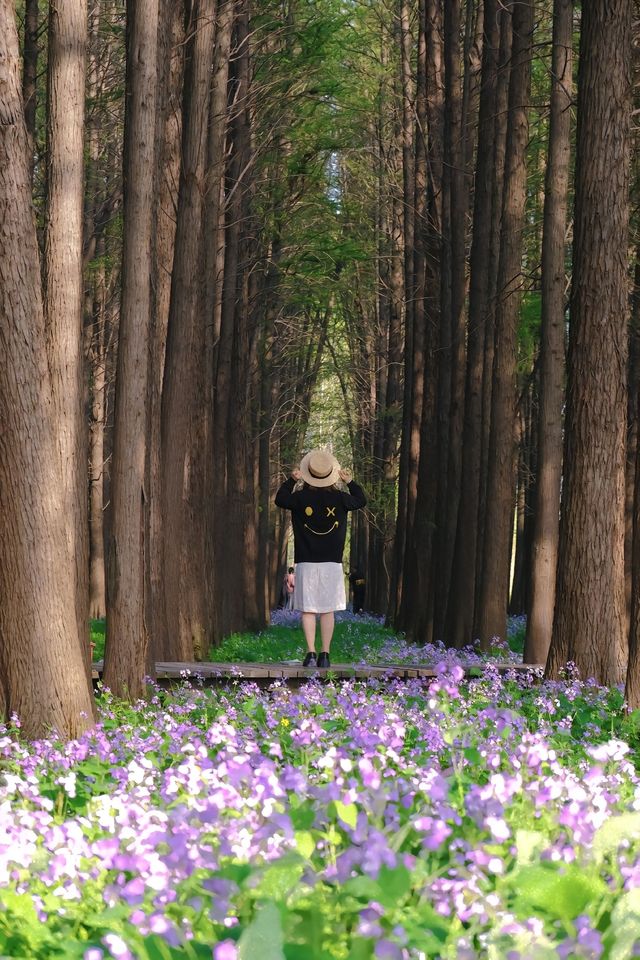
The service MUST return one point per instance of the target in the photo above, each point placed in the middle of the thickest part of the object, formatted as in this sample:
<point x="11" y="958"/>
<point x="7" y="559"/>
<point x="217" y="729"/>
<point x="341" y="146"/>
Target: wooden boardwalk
<point x="294" y="674"/>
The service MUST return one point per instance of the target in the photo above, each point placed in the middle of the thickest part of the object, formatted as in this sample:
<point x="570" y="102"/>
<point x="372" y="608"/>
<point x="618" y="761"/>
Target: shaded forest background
<point x="270" y="225"/>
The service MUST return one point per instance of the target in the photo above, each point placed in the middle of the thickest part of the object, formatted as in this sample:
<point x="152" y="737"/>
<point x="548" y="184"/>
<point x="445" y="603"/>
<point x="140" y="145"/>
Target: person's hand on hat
<point x="296" y="475"/>
<point x="345" y="475"/>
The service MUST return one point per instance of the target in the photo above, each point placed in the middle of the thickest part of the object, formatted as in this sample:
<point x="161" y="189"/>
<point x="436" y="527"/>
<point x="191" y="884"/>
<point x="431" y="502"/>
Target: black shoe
<point x="323" y="661"/>
<point x="309" y="660"/>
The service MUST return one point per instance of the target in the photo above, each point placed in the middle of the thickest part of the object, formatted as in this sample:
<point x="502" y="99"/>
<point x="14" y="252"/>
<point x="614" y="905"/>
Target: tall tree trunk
<point x="230" y="563"/>
<point x="419" y="347"/>
<point x="589" y="625"/>
<point x="464" y="573"/>
<point x="497" y="189"/>
<point x="63" y="282"/>
<point x="183" y="469"/>
<point x="414" y="336"/>
<point x="127" y="631"/>
<point x="454" y="358"/>
<point x="168" y="150"/>
<point x="499" y="506"/>
<point x="552" y="361"/>
<point x="43" y="676"/>
<point x="214" y="240"/>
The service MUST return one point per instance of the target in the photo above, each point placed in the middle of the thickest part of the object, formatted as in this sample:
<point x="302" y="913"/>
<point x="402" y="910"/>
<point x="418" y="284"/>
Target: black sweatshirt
<point x="319" y="518"/>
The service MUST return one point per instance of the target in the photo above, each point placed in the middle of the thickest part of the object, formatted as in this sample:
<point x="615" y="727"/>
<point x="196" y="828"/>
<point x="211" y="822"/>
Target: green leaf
<point x="360" y="949"/>
<point x="563" y="895"/>
<point x="305" y="843"/>
<point x="362" y="888"/>
<point x="262" y="940"/>
<point x="427" y="930"/>
<point x="624" y="929"/>
<point x="302" y="816"/>
<point x="473" y="755"/>
<point x="608" y="837"/>
<point x="627" y="905"/>
<point x="278" y="880"/>
<point x="347" y="813"/>
<point x="395" y="884"/>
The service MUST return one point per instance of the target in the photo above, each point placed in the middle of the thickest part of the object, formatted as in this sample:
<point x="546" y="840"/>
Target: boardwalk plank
<point x="218" y="672"/>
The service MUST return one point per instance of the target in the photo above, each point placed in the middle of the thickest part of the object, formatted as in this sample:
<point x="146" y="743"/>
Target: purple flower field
<point x="498" y="818"/>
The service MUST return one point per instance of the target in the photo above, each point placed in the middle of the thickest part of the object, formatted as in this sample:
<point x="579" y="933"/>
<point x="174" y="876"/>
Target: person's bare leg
<point x="309" y="628"/>
<point x="326" y="630"/>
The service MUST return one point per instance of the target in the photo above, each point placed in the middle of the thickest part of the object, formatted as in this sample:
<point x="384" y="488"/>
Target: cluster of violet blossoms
<point x="405" y="819"/>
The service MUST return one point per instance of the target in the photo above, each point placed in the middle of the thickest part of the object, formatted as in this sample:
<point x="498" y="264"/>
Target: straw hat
<point x="319" y="468"/>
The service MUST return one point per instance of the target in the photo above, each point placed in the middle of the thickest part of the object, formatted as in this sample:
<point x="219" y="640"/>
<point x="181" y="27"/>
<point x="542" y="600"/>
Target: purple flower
<point x="226" y="950"/>
<point x="117" y="947"/>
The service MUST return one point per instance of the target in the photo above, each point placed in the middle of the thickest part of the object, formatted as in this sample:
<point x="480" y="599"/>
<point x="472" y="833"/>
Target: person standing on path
<point x="319" y="509"/>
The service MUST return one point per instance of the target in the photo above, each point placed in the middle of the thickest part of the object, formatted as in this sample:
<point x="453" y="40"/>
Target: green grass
<point x="352" y="642"/>
<point x="96" y="635"/>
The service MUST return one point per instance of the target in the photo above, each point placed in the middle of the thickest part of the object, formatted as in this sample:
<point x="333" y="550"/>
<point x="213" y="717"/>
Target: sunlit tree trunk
<point x="589" y="621"/>
<point x="62" y="275"/>
<point x="43" y="676"/>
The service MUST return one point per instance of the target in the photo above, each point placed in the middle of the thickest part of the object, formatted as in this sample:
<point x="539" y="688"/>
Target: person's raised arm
<point x="284" y="496"/>
<point x="355" y="499"/>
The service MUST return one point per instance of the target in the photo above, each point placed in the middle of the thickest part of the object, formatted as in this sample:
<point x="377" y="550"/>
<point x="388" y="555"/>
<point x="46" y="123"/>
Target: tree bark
<point x="228" y="428"/>
<point x="62" y="270"/>
<point x="552" y="343"/>
<point x="183" y="469"/>
<point x="589" y="623"/>
<point x="633" y="388"/>
<point x="453" y="357"/>
<point x="497" y="189"/>
<point x="43" y="677"/>
<point x="127" y="630"/>
<point x="168" y="152"/>
<point x="464" y="573"/>
<point x="214" y="241"/>
<point x="499" y="506"/>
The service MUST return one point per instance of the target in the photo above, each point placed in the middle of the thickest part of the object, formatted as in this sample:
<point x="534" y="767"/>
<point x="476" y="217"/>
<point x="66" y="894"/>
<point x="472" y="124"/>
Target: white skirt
<point x="319" y="588"/>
